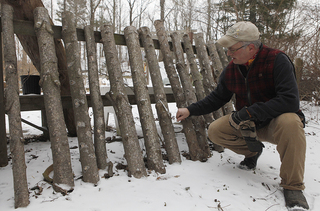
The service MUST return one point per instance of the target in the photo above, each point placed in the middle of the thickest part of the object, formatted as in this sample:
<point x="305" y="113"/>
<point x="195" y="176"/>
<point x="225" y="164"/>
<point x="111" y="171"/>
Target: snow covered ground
<point x="214" y="185"/>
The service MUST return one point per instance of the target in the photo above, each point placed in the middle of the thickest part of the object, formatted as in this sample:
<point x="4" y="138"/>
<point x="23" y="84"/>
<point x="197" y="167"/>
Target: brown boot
<point x="295" y="200"/>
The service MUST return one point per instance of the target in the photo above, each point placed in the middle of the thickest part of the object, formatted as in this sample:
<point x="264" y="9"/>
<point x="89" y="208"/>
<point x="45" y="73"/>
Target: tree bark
<point x="97" y="105"/>
<point x="218" y="68"/>
<point x="121" y="105"/>
<point x="23" y="10"/>
<point x="151" y="138"/>
<point x="51" y="91"/>
<point x="163" y="112"/>
<point x="12" y="106"/>
<point x="196" y="76"/>
<point x="190" y="95"/>
<point x="79" y="100"/>
<point x="222" y="55"/>
<point x="206" y="71"/>
<point x="194" y="150"/>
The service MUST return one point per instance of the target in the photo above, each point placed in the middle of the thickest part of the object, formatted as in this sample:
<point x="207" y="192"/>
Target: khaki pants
<point x="286" y="131"/>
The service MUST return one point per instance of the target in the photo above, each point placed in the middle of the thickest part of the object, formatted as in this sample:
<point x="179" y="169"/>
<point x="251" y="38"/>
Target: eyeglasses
<point x="233" y="51"/>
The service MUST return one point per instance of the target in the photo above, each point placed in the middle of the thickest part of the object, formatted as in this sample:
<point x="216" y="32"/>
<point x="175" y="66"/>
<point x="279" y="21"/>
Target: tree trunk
<point x="190" y="95"/>
<point x="151" y="138"/>
<point x="218" y="68"/>
<point x="206" y="71"/>
<point x="194" y="150"/>
<point x="196" y="76"/>
<point x="23" y="10"/>
<point x="164" y="115"/>
<point x="97" y="105"/>
<point x="79" y="100"/>
<point x="121" y="105"/>
<point x="12" y="106"/>
<point x="52" y="100"/>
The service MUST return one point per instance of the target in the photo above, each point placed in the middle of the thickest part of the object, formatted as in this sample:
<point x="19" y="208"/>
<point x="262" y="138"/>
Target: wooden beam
<point x="35" y="102"/>
<point x="26" y="28"/>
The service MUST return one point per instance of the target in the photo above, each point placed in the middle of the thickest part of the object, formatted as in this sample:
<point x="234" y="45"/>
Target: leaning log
<point x="79" y="100"/>
<point x="163" y="112"/>
<point x="121" y="105"/>
<point x="12" y="107"/>
<point x="217" y="66"/>
<point x="49" y="81"/>
<point x="195" y="73"/>
<point x="149" y="129"/>
<point x="194" y="150"/>
<point x="208" y="81"/>
<point x="97" y="105"/>
<point x="190" y="95"/>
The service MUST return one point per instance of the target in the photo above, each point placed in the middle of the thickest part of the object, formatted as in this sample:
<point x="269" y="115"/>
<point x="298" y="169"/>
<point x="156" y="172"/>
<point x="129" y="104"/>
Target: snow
<point x="196" y="186"/>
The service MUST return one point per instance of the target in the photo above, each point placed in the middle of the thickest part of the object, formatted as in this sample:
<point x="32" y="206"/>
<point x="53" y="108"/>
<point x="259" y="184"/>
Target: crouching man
<point x="267" y="108"/>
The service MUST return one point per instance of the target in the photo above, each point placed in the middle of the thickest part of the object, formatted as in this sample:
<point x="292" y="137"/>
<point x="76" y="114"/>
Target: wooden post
<point x="151" y="138"/>
<point x="194" y="150"/>
<point x="163" y="112"/>
<point x="49" y="81"/>
<point x="190" y="95"/>
<point x="119" y="99"/>
<point x="12" y="106"/>
<point x="79" y="101"/>
<point x="97" y="105"/>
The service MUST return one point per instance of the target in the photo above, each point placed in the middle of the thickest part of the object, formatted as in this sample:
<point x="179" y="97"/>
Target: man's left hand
<point x="237" y="117"/>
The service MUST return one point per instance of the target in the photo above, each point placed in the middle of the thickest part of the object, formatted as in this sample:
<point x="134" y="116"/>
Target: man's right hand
<point x="182" y="113"/>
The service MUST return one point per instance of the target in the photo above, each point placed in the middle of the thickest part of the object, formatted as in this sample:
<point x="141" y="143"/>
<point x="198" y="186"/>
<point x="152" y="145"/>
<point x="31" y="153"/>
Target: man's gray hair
<point x="256" y="43"/>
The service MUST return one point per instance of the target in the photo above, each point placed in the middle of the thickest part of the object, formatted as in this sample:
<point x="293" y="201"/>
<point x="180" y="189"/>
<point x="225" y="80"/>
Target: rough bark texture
<point x="194" y="150"/>
<point x="217" y="66"/>
<point x="79" y="100"/>
<point x="190" y="95"/>
<point x="163" y="112"/>
<point x="50" y="84"/>
<point x="97" y="105"/>
<point x="223" y="57"/>
<point x="23" y="10"/>
<point x="121" y="105"/>
<point x="12" y="106"/>
<point x="149" y="129"/>
<point x="196" y="76"/>
<point x="208" y="81"/>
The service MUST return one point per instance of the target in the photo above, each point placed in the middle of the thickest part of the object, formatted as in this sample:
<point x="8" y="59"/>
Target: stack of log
<point x="93" y="154"/>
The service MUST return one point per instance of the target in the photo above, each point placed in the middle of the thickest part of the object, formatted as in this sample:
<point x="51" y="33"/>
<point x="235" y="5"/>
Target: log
<point x="23" y="10"/>
<point x="122" y="107"/>
<point x="97" y="105"/>
<point x="149" y="129"/>
<point x="79" y="100"/>
<point x="163" y="112"/>
<point x="49" y="81"/>
<point x="12" y="107"/>
<point x="196" y="76"/>
<point x="209" y="83"/>
<point x="194" y="150"/>
<point x="222" y="55"/>
<point x="190" y="95"/>
<point x="218" y="68"/>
